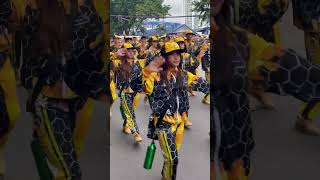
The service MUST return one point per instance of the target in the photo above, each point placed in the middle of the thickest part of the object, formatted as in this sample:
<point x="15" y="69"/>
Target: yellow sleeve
<point x="113" y="90"/>
<point x="8" y="85"/>
<point x="148" y="79"/>
<point x="191" y="79"/>
<point x="191" y="59"/>
<point x="142" y="62"/>
<point x="260" y="53"/>
<point x="20" y="7"/>
<point x="101" y="7"/>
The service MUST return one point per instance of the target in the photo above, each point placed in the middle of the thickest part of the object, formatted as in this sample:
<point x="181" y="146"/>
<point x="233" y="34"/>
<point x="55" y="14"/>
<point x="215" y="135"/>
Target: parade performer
<point x="142" y="54"/>
<point x="9" y="105"/>
<point x="56" y="72"/>
<point x="204" y="58"/>
<point x="306" y="16"/>
<point x="162" y="40"/>
<point x="189" y="65"/>
<point x="189" y="43"/>
<point x="191" y="49"/>
<point x="128" y="39"/>
<point x="117" y="44"/>
<point x="153" y="50"/>
<point x="261" y="17"/>
<point x="130" y="84"/>
<point x="239" y="55"/>
<point x="135" y="42"/>
<point x="167" y="84"/>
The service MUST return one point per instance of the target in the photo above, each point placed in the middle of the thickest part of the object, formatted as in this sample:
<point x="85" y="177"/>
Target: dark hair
<point x="52" y="31"/>
<point x="149" y="45"/>
<point x="125" y="68"/>
<point x="185" y="47"/>
<point x="164" y="74"/>
<point x="223" y="45"/>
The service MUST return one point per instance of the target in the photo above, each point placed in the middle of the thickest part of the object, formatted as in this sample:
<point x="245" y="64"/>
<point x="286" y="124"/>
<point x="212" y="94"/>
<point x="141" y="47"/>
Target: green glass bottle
<point x="149" y="156"/>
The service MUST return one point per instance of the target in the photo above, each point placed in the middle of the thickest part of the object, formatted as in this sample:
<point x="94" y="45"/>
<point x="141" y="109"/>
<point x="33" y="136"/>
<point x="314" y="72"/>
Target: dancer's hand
<point x="121" y="52"/>
<point x="156" y="64"/>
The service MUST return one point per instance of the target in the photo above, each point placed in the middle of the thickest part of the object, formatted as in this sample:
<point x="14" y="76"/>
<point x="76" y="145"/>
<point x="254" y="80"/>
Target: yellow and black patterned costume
<point x="142" y="54"/>
<point x="261" y="17"/>
<point x="59" y="88"/>
<point x="170" y="101"/>
<point x="205" y="66"/>
<point x="172" y="126"/>
<point x="306" y="16"/>
<point x="189" y="64"/>
<point x="281" y="72"/>
<point x="128" y="92"/>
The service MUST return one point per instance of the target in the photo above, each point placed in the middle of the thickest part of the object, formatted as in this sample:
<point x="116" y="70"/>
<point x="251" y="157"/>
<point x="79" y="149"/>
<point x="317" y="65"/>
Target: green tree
<point x="202" y="7"/>
<point x="120" y="24"/>
<point x="161" y="29"/>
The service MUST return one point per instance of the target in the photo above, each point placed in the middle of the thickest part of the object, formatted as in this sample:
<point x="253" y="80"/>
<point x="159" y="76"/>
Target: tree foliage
<point x="202" y="7"/>
<point x="134" y="8"/>
<point x="161" y="29"/>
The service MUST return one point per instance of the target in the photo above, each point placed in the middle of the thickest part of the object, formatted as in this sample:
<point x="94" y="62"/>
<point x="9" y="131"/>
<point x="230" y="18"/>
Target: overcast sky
<point x="176" y="10"/>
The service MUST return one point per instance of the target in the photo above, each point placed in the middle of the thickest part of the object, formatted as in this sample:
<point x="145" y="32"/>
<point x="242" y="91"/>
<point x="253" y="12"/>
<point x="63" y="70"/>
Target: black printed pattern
<point x="160" y="94"/>
<point x="206" y="61"/>
<point x="189" y="66"/>
<point x="85" y="71"/>
<point x="171" y="140"/>
<point x="235" y="120"/>
<point x="135" y="79"/>
<point x="61" y="116"/>
<point x="294" y="76"/>
<point x="252" y="20"/>
<point x="127" y="112"/>
<point x="30" y="67"/>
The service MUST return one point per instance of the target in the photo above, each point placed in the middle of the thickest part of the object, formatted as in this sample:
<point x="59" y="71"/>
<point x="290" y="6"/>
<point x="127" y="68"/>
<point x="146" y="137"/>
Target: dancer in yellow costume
<point x="59" y="99"/>
<point x="204" y="57"/>
<point x="238" y="56"/>
<point x="306" y="16"/>
<point x="188" y="64"/>
<point x="262" y="18"/>
<point x="130" y="87"/>
<point x="167" y="84"/>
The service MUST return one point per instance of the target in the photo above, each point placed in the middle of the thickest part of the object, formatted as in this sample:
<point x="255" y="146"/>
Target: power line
<point x="151" y="17"/>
